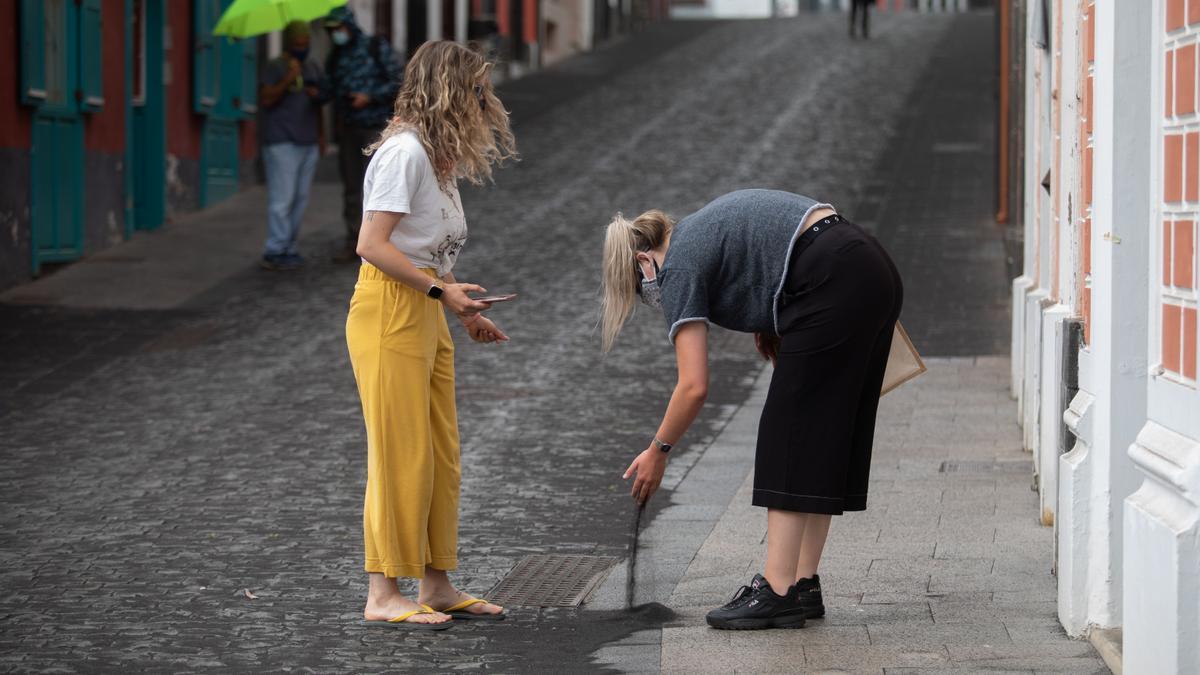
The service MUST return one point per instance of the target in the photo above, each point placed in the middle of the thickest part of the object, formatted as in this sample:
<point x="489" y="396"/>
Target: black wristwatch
<point x="665" y="447"/>
<point x="434" y="292"/>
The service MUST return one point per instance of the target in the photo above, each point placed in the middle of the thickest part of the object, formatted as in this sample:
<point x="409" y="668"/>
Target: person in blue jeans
<point x="292" y="139"/>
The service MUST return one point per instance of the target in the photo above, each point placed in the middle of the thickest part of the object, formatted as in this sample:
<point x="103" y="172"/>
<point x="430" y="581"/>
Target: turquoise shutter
<point x="247" y="103"/>
<point x="91" y="56"/>
<point x="205" y="62"/>
<point x="33" y="53"/>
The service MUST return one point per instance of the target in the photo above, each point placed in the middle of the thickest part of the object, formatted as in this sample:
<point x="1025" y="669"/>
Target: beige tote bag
<point x="904" y="363"/>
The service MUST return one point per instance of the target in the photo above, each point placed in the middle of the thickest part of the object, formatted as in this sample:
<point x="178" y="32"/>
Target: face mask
<point x="340" y="38"/>
<point x="299" y="54"/>
<point x="651" y="292"/>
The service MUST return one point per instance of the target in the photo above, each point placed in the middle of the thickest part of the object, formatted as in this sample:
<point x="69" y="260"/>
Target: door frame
<point x="145" y="115"/>
<point x="67" y="110"/>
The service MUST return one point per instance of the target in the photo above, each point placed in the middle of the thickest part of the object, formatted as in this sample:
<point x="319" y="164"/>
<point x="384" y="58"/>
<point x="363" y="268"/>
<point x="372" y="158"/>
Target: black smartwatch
<point x="665" y="447"/>
<point x="434" y="292"/>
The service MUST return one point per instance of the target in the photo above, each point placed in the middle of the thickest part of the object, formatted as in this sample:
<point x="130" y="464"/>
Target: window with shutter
<point x="91" y="52"/>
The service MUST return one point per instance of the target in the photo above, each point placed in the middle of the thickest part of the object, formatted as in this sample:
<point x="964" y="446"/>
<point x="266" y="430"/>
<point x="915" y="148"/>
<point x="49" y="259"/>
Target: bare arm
<point x="374" y="247"/>
<point x="691" y="390"/>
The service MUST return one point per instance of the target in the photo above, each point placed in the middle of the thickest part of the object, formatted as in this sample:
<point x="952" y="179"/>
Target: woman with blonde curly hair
<point x="448" y="124"/>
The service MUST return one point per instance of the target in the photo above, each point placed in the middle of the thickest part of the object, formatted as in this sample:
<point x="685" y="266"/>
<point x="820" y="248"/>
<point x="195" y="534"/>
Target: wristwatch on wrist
<point x="665" y="447"/>
<point x="435" y="292"/>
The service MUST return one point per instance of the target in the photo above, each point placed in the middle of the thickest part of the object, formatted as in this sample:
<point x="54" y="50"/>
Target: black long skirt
<point x="840" y="304"/>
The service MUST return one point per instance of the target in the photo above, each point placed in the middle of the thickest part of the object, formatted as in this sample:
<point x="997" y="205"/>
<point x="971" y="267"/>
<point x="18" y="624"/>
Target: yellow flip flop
<point x="402" y="621"/>
<point x="458" y="611"/>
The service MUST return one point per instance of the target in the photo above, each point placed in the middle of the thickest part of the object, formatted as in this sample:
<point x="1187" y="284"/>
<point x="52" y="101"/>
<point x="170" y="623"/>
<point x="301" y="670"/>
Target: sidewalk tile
<point x="922" y="634"/>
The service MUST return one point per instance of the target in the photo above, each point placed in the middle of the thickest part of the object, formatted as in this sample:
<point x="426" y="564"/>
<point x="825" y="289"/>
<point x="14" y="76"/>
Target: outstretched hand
<point x="649" y="467"/>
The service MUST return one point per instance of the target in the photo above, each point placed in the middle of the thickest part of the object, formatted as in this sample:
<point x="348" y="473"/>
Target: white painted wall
<point x="1110" y="408"/>
<point x="1161" y="527"/>
<point x="724" y="9"/>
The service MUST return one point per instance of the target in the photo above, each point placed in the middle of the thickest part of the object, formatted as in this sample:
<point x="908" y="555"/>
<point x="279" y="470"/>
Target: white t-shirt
<point x="400" y="178"/>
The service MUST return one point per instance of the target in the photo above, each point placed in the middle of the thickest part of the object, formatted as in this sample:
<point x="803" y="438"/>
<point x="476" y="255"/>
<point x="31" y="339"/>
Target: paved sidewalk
<point x="947" y="569"/>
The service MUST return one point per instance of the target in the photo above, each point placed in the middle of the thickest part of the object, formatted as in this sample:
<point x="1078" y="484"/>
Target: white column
<point x="1161" y="527"/>
<point x="400" y="26"/>
<point x="1162" y="553"/>
<point x="461" y="13"/>
<point x="433" y="20"/>
<point x="1024" y="284"/>
<point x="1097" y="475"/>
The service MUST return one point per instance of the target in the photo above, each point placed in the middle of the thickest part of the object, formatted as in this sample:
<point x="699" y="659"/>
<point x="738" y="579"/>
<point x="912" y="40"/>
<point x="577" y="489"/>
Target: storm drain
<point x="1019" y="466"/>
<point x="551" y="580"/>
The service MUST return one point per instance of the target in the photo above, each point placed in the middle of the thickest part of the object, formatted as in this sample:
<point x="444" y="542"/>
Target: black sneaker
<point x="756" y="606"/>
<point x="808" y="594"/>
<point x="279" y="262"/>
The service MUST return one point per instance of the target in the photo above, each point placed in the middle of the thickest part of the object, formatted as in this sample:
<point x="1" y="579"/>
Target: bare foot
<point x="449" y="596"/>
<point x="394" y="606"/>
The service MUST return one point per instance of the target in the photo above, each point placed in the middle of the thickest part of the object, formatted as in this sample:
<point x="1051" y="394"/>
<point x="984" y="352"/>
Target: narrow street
<point x="158" y="463"/>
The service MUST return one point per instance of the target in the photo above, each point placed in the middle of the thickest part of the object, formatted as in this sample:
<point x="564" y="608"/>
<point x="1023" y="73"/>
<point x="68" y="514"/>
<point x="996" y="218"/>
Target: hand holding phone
<point x="492" y="299"/>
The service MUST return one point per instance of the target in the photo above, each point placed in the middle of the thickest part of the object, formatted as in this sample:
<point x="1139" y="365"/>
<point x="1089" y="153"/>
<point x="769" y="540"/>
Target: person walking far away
<point x="363" y="78"/>
<point x="293" y="139"/>
<point x="448" y="125"/>
<point x="822" y="298"/>
<point x="860" y="7"/>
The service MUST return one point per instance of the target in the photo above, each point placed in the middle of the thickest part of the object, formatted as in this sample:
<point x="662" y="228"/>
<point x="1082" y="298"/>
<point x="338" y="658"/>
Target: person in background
<point x="363" y="78"/>
<point x="856" y="7"/>
<point x="292" y="138"/>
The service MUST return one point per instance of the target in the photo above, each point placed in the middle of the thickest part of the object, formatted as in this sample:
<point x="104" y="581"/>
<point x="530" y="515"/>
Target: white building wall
<point x="1161" y="525"/>
<point x="725" y="9"/>
<point x="1081" y="492"/>
<point x="1126" y="499"/>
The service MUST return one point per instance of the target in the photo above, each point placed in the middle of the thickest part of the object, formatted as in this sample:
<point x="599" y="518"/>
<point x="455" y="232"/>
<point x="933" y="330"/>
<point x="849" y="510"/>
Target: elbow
<point x="363" y="250"/>
<point x="695" y="393"/>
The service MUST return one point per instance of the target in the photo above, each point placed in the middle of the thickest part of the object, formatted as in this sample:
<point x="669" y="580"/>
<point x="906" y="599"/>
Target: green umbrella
<point x="247" y="18"/>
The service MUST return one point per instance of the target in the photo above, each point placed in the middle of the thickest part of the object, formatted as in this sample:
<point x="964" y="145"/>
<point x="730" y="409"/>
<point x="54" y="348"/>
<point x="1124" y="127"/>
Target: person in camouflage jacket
<point x="362" y="78"/>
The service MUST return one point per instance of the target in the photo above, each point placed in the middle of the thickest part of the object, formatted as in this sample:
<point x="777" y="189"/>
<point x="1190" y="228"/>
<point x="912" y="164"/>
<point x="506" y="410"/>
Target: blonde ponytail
<point x="623" y="240"/>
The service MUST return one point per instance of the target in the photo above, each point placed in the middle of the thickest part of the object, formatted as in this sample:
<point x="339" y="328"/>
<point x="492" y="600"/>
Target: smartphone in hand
<point x="496" y="298"/>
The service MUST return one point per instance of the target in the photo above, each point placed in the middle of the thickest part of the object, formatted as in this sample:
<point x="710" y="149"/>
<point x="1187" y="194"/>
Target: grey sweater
<point x="727" y="262"/>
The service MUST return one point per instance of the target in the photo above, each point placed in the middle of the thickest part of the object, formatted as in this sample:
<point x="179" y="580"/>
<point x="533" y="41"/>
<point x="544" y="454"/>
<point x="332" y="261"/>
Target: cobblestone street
<point x="159" y="462"/>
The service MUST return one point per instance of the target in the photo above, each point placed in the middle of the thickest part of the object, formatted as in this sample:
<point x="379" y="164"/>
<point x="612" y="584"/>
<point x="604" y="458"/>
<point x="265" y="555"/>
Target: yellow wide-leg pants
<point x="403" y="359"/>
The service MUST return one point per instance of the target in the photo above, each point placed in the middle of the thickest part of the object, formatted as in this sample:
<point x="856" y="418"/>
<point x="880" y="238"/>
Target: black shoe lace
<point x="740" y="597"/>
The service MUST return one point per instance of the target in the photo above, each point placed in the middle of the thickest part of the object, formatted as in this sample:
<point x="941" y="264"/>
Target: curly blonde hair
<point x="444" y="85"/>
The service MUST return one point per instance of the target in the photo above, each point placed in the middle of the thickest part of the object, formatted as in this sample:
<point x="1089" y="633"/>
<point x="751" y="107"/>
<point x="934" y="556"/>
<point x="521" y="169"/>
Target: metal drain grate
<point x="551" y="580"/>
<point x="1020" y="466"/>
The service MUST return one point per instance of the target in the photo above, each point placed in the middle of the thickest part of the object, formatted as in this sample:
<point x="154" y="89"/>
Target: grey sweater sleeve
<point x="684" y="298"/>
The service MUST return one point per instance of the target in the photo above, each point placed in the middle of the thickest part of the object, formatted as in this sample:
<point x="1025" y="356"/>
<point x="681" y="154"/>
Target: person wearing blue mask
<point x="292" y="139"/>
<point x="363" y="79"/>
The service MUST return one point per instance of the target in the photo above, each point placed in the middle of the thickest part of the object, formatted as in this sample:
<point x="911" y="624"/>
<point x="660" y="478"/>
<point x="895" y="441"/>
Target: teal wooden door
<point x="224" y="85"/>
<point x="147" y="138"/>
<point x="61" y="79"/>
<point x="50" y="80"/>
<point x="219" y="159"/>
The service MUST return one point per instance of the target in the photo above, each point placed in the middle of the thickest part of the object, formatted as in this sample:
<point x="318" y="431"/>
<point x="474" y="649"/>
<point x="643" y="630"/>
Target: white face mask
<point x="651" y="292"/>
<point x="340" y="37"/>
